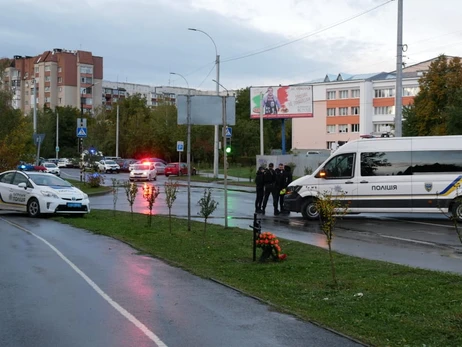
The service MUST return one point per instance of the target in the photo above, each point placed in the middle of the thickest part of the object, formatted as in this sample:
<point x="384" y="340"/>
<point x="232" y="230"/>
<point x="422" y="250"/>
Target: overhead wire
<point x="273" y="47"/>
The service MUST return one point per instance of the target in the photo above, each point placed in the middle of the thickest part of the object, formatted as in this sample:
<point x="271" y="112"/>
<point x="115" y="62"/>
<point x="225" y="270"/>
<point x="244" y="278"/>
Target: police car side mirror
<point x="321" y="174"/>
<point x="22" y="185"/>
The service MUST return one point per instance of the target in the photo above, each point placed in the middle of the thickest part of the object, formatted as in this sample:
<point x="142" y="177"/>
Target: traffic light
<point x="228" y="145"/>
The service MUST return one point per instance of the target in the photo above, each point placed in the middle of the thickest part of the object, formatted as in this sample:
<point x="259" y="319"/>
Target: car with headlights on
<point x="143" y="172"/>
<point x="108" y="166"/>
<point x="39" y="193"/>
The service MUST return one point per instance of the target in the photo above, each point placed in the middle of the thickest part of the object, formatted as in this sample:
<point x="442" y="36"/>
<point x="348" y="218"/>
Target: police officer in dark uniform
<point x="259" y="182"/>
<point x="269" y="178"/>
<point x="279" y="184"/>
<point x="287" y="180"/>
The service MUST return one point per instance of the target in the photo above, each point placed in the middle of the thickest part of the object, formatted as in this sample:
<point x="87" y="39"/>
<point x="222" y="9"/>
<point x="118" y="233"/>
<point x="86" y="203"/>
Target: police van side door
<point x="338" y="178"/>
<point x="385" y="182"/>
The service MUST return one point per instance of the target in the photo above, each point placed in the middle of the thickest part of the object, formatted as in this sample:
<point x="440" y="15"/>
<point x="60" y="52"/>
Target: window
<point x="27" y="102"/>
<point x="60" y="69"/>
<point x="331" y="129"/>
<point x="385" y="163"/>
<point x="60" y="89"/>
<point x="47" y="89"/>
<point x="60" y="101"/>
<point x="343" y="94"/>
<point x="86" y="69"/>
<point x="47" y="78"/>
<point x="27" y="92"/>
<point x="355" y="110"/>
<point x="436" y="162"/>
<point x="26" y="75"/>
<point x="355" y="128"/>
<point x="384" y="110"/>
<point x="343" y="128"/>
<point x="331" y="95"/>
<point x="330" y="144"/>
<point x="355" y="93"/>
<point x="341" y="165"/>
<point x="382" y="127"/>
<point x="331" y="111"/>
<point x="47" y="68"/>
<point x="385" y="93"/>
<point x="47" y="99"/>
<point x="36" y="69"/>
<point x="87" y="80"/>
<point x="410" y="91"/>
<point x="60" y="80"/>
<point x="343" y="111"/>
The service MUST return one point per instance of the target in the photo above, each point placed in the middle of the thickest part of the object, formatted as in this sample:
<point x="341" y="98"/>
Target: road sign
<point x="38" y="138"/>
<point x="229" y="132"/>
<point x="57" y="149"/>
<point x="180" y="146"/>
<point x="81" y="127"/>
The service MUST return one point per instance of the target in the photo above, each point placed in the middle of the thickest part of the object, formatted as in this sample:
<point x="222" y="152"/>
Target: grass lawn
<point x="84" y="187"/>
<point x="399" y="305"/>
<point x="197" y="178"/>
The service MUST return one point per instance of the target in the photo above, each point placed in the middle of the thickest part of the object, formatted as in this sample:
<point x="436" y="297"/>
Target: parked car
<point x="176" y="169"/>
<point x="64" y="162"/>
<point x="108" y="166"/>
<point x="40" y="193"/>
<point x="125" y="164"/>
<point x="143" y="172"/>
<point x="52" y="168"/>
<point x="160" y="168"/>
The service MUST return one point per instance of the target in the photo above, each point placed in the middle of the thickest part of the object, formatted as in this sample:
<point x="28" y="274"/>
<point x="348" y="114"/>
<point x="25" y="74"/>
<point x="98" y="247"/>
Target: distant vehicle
<point x="40" y="193"/>
<point x="108" y="166"/>
<point x="64" y="162"/>
<point x="143" y="172"/>
<point x="51" y="160"/>
<point x="112" y="158"/>
<point x="125" y="164"/>
<point x="160" y="168"/>
<point x="52" y="168"/>
<point x="178" y="169"/>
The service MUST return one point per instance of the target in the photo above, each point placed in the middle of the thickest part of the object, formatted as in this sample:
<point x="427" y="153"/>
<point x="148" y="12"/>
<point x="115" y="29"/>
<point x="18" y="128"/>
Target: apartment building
<point x="346" y="107"/>
<point x="154" y="95"/>
<point x="58" y="77"/>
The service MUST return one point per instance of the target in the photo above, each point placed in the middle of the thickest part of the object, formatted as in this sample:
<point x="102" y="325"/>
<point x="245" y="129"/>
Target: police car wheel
<point x="309" y="210"/>
<point x="457" y="210"/>
<point x="33" y="208"/>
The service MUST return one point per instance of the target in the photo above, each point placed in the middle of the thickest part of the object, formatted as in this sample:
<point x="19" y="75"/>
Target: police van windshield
<point x="341" y="165"/>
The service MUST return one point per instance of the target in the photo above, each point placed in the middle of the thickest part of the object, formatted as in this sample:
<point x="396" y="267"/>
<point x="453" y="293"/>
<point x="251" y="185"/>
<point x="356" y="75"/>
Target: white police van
<point x="398" y="174"/>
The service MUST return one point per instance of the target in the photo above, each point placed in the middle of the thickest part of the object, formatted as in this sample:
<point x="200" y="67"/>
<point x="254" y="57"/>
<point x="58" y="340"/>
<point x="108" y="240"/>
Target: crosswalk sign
<point x="229" y="132"/>
<point x="81" y="132"/>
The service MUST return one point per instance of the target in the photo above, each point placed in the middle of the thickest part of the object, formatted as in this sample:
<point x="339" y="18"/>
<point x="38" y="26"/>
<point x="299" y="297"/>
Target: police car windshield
<point x="49" y="180"/>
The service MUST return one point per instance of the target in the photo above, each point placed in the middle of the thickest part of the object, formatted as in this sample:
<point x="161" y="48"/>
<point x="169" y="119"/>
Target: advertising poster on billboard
<point x="281" y="102"/>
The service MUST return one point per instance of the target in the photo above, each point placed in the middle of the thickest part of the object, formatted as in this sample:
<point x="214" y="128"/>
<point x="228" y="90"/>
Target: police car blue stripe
<point x="451" y="185"/>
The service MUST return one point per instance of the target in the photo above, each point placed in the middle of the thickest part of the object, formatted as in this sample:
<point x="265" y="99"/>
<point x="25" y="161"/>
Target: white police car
<point x="40" y="193"/>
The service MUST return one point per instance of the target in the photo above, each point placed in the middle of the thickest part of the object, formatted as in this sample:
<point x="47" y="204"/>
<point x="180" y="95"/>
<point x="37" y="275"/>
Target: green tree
<point x="438" y="99"/>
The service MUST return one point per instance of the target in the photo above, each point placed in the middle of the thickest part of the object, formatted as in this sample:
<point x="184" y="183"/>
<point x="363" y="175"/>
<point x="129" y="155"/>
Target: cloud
<point x="143" y="40"/>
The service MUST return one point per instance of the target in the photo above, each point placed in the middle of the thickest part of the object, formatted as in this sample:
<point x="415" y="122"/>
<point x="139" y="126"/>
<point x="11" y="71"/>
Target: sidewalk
<point x="232" y="183"/>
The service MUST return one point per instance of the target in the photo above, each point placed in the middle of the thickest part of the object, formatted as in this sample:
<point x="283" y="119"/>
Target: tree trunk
<point x="332" y="265"/>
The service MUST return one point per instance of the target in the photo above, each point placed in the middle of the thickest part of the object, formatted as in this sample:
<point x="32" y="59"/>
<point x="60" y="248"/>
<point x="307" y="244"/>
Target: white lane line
<point x="423" y="223"/>
<point x="408" y="240"/>
<point x="97" y="289"/>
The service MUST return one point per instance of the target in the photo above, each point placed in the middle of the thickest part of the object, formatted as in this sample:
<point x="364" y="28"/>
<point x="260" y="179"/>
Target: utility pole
<point x="262" y="151"/>
<point x="399" y="75"/>
<point x="117" y="133"/>
<point x="216" y="145"/>
<point x="57" y="135"/>
<point x="35" y="106"/>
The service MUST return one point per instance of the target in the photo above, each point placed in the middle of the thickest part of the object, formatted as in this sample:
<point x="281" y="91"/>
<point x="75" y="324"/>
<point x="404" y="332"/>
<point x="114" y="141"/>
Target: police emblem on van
<point x="428" y="186"/>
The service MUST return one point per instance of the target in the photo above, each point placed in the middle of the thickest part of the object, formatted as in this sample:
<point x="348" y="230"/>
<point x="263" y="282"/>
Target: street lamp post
<point x="188" y="144"/>
<point x="215" y="140"/>
<point x="225" y="157"/>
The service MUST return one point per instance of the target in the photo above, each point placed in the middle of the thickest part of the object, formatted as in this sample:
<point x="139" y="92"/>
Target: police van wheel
<point x="309" y="210"/>
<point x="457" y="210"/>
<point x="33" y="208"/>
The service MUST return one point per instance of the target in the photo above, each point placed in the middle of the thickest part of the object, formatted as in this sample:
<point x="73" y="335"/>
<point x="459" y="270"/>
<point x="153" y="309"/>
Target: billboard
<point x="206" y="109"/>
<point x="281" y="102"/>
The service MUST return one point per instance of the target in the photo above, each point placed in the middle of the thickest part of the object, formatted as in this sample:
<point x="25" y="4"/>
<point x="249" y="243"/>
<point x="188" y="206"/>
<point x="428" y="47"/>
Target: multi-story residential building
<point x="154" y="95"/>
<point x="55" y="78"/>
<point x="348" y="106"/>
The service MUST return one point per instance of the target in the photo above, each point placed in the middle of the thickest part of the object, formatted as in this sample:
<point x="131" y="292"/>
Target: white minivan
<point x="397" y="174"/>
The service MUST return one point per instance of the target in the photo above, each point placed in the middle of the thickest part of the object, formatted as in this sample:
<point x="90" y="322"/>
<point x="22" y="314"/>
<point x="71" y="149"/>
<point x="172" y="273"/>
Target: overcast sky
<point x="141" y="41"/>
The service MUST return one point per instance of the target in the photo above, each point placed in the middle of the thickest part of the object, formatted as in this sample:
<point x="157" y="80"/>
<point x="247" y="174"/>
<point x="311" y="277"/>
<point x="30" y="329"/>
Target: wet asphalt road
<point x="426" y="241"/>
<point x="61" y="286"/>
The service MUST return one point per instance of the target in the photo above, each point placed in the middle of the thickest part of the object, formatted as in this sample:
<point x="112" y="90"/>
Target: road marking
<point x="97" y="289"/>
<point x="409" y="240"/>
<point x="423" y="223"/>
